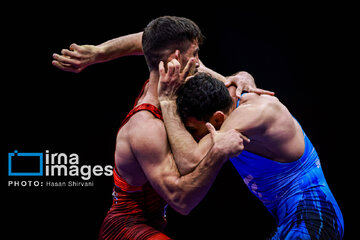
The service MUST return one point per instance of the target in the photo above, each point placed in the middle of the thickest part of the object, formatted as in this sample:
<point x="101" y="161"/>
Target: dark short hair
<point x="201" y="96"/>
<point x="168" y="33"/>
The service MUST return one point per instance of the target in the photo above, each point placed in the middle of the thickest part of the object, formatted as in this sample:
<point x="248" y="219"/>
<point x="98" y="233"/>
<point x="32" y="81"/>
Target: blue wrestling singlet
<point x="295" y="193"/>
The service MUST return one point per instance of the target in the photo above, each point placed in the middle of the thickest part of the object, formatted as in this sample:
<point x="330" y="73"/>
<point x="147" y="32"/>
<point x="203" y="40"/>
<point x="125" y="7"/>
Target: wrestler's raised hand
<point x="171" y="80"/>
<point x="229" y="143"/>
<point x="77" y="57"/>
<point x="245" y="82"/>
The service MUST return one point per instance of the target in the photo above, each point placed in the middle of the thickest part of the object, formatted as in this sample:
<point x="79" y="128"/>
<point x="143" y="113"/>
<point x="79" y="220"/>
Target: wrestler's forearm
<point x="187" y="152"/>
<point x="250" y="80"/>
<point x="121" y="46"/>
<point x="190" y="189"/>
<point x="203" y="68"/>
<point x="78" y="57"/>
<point x="240" y="79"/>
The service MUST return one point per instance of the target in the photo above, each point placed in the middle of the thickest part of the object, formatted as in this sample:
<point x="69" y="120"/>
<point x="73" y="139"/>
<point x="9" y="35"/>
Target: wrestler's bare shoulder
<point x="282" y="137"/>
<point x="138" y="122"/>
<point x="256" y="98"/>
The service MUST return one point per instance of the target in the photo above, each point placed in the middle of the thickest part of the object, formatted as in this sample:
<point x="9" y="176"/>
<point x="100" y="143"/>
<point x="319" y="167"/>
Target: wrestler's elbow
<point x="181" y="200"/>
<point x="179" y="204"/>
<point x="183" y="209"/>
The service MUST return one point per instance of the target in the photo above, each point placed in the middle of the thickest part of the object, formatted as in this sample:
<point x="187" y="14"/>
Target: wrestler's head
<point x="164" y="35"/>
<point x="203" y="99"/>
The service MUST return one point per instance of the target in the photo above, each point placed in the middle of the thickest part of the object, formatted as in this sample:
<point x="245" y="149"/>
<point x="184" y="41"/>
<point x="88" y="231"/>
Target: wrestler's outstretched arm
<point x="78" y="57"/>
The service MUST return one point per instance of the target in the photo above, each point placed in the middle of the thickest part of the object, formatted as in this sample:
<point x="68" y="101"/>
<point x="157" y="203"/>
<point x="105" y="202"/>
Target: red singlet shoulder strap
<point x="145" y="106"/>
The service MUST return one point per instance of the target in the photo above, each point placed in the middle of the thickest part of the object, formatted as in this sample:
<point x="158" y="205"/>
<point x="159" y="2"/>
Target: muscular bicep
<point x="151" y="149"/>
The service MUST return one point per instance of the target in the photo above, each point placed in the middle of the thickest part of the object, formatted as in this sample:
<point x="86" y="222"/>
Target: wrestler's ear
<point x="217" y="119"/>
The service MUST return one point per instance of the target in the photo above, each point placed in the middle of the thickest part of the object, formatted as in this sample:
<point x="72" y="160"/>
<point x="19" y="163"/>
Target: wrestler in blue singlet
<point x="295" y="193"/>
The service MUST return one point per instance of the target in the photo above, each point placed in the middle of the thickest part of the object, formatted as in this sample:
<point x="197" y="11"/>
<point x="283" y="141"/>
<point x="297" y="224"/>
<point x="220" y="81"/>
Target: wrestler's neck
<point x="150" y="94"/>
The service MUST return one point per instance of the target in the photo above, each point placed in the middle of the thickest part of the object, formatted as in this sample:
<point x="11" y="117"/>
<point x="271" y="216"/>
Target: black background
<point x="302" y="52"/>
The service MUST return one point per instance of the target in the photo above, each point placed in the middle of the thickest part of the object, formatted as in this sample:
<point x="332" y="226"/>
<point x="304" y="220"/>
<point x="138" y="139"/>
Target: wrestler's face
<point x="192" y="51"/>
<point x="196" y="128"/>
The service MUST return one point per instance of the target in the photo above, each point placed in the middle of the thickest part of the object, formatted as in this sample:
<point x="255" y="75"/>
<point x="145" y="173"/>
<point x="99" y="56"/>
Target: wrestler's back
<point x="281" y="140"/>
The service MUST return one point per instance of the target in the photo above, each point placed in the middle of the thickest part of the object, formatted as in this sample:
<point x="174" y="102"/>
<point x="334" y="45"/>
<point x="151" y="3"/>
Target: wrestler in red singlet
<point x="137" y="212"/>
